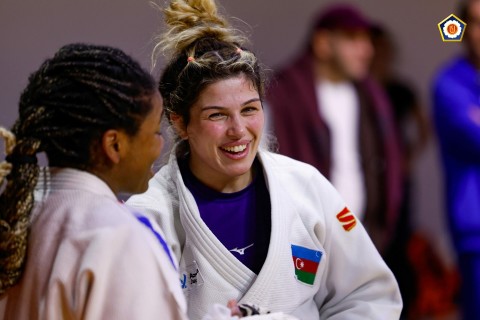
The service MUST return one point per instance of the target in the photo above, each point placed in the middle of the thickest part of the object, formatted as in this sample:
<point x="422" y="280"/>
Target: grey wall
<point x="32" y="30"/>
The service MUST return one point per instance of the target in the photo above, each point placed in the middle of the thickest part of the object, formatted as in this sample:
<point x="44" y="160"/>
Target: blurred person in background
<point x="328" y="112"/>
<point x="456" y="112"/>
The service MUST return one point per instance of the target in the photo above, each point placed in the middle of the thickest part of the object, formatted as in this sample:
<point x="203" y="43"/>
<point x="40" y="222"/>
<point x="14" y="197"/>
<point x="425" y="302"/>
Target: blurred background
<point x="32" y="30"/>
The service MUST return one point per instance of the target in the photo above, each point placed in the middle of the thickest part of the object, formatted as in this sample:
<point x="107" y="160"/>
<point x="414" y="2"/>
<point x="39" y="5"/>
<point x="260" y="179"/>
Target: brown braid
<point x="74" y="97"/>
<point x="14" y="218"/>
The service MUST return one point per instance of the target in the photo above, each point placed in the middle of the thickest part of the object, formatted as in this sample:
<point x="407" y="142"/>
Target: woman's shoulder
<point x="297" y="176"/>
<point x="285" y="164"/>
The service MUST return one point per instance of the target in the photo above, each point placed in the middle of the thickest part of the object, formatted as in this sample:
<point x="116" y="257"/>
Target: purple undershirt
<point x="240" y="220"/>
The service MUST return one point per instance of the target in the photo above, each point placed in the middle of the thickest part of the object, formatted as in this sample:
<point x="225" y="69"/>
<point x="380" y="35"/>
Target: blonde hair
<point x="188" y="21"/>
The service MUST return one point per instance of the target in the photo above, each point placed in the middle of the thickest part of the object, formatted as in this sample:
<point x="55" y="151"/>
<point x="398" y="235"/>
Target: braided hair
<point x="73" y="98"/>
<point x="202" y="49"/>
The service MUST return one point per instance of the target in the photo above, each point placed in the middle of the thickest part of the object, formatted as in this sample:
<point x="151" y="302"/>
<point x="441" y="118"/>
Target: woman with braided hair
<point x="68" y="248"/>
<point x="245" y="223"/>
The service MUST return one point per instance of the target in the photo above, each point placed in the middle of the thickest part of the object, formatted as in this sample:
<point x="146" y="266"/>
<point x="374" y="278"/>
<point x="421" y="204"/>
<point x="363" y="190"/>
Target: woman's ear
<point x="113" y="145"/>
<point x="179" y="125"/>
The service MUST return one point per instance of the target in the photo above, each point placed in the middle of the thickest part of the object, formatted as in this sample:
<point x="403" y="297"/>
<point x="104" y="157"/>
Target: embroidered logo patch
<point x="306" y="263"/>
<point x="241" y="251"/>
<point x="191" y="277"/>
<point x="347" y="219"/>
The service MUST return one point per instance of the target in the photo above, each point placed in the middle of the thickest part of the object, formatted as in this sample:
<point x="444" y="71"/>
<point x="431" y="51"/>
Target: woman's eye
<point x="216" y="116"/>
<point x="249" y="110"/>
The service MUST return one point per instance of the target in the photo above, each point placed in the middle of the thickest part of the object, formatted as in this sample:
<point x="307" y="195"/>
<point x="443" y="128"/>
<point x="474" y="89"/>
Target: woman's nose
<point x="236" y="127"/>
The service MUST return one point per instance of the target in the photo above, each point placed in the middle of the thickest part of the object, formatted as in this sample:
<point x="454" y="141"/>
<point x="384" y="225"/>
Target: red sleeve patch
<point x="347" y="219"/>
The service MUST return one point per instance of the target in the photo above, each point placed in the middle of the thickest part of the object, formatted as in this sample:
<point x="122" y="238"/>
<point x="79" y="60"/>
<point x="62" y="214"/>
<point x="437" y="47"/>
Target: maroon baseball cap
<point x="341" y="16"/>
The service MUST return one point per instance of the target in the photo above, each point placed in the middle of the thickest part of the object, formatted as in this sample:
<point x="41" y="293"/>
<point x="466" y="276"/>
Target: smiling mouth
<point x="235" y="149"/>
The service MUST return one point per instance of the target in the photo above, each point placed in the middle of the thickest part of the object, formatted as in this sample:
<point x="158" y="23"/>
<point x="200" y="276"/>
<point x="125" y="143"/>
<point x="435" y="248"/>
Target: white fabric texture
<point x="351" y="282"/>
<point x="340" y="109"/>
<point x="89" y="258"/>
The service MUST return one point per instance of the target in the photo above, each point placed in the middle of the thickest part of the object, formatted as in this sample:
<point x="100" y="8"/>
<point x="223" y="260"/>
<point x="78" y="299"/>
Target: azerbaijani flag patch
<point x="306" y="263"/>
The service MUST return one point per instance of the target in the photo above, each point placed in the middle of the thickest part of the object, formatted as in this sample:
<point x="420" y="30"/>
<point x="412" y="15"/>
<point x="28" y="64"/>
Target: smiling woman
<point x="245" y="223"/>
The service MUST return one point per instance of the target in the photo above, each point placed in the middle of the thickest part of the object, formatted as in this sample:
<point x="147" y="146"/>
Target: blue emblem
<point x="452" y="29"/>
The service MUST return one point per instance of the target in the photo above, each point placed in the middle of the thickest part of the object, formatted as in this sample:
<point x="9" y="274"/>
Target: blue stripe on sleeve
<point x="147" y="223"/>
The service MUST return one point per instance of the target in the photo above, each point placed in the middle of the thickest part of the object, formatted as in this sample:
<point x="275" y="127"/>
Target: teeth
<point x="236" y="148"/>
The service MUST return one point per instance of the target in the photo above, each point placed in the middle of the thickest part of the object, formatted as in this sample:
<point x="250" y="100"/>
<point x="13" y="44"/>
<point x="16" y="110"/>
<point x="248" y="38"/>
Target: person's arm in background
<point x="457" y="117"/>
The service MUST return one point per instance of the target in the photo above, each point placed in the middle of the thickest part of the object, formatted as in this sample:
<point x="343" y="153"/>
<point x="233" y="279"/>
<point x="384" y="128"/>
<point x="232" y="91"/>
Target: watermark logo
<point x="452" y="29"/>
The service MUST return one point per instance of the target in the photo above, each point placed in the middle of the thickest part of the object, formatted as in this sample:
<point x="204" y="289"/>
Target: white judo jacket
<point x="90" y="258"/>
<point x="311" y="230"/>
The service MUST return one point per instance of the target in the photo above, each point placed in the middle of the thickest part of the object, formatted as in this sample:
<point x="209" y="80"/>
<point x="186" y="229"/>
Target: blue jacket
<point x="457" y="121"/>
